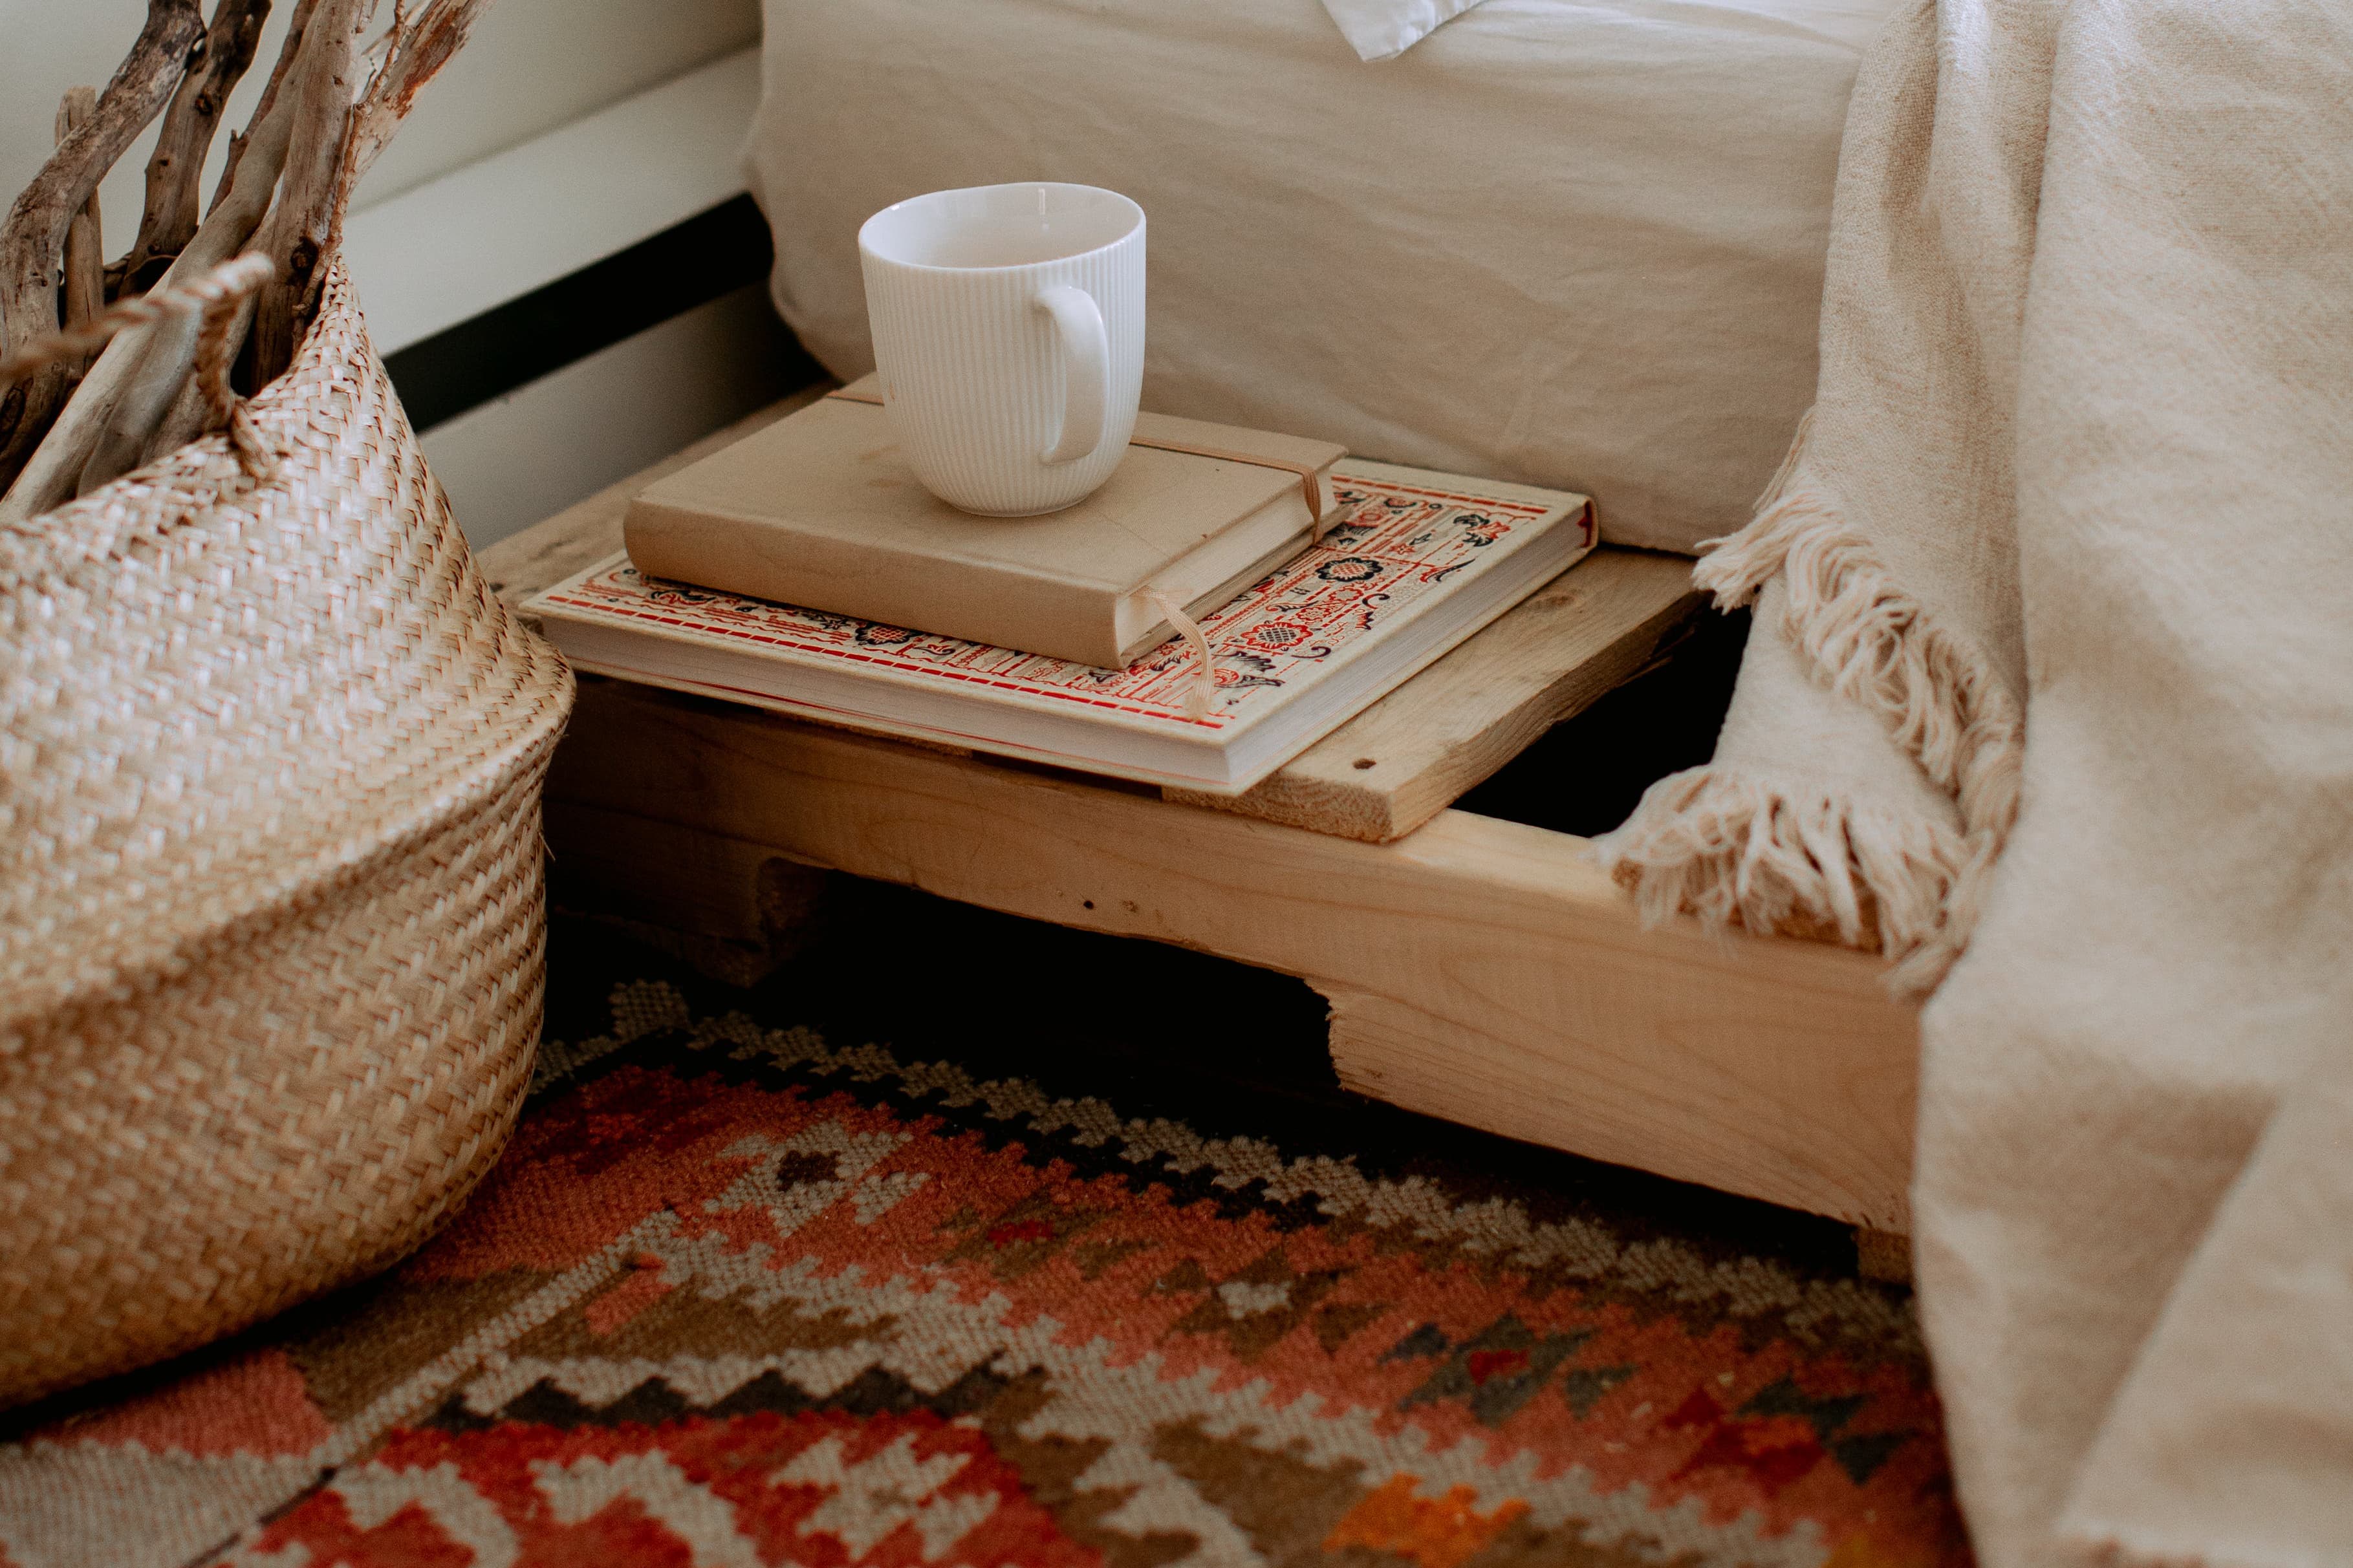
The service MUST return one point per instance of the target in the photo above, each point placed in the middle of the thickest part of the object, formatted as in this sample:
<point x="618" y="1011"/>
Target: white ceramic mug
<point x="1009" y="329"/>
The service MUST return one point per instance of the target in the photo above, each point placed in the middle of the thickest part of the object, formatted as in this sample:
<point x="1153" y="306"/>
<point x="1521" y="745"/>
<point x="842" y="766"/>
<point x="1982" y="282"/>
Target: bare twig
<point x="419" y="48"/>
<point x="33" y="235"/>
<point x="209" y="302"/>
<point x="174" y="171"/>
<point x="323" y="132"/>
<point x="231" y="280"/>
<point x="400" y="62"/>
<point x="298" y="28"/>
<point x="207" y="402"/>
<point x="169" y="348"/>
<point x="85" y="256"/>
<point x="410" y="54"/>
<point x="301" y="229"/>
<point x="50" y="476"/>
<point x="192" y="412"/>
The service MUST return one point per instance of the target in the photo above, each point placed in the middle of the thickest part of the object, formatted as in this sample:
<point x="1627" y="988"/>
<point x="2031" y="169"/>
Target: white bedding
<point x="1383" y="29"/>
<point x="1569" y="244"/>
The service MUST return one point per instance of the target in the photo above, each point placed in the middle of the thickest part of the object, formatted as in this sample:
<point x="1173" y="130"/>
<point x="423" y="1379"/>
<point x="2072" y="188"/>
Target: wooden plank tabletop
<point x="1413" y="753"/>
<point x="1395" y="765"/>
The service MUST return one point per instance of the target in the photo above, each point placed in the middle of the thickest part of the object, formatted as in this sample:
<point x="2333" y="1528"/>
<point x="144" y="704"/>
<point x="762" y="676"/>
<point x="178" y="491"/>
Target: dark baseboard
<point x="490" y="355"/>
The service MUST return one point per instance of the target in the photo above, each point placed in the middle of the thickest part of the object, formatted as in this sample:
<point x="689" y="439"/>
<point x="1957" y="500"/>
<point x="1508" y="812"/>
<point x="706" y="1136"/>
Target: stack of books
<point x="793" y="571"/>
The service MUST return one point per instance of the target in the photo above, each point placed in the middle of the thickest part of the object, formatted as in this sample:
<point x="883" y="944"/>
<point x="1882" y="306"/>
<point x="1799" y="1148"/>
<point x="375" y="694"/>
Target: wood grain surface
<point x="1478" y="970"/>
<point x="1416" y="751"/>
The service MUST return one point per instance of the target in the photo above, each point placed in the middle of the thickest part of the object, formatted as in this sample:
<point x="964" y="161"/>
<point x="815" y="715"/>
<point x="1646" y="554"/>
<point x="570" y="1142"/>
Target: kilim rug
<point x="968" y="1242"/>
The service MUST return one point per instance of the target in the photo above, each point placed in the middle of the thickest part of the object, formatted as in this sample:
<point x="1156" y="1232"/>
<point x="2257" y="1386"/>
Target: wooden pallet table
<point x="1478" y="970"/>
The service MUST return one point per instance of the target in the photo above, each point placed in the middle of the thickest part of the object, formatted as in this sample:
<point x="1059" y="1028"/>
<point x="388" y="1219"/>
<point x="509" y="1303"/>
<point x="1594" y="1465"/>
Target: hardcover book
<point x="818" y="510"/>
<point x="1411" y="565"/>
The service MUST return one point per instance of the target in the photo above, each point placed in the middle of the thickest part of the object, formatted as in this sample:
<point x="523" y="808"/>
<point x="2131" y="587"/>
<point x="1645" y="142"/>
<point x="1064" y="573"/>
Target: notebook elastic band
<point x="1204" y="684"/>
<point x="1310" y="489"/>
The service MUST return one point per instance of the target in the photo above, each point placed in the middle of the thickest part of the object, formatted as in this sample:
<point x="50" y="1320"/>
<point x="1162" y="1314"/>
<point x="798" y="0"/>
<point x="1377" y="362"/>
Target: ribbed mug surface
<point x="973" y="366"/>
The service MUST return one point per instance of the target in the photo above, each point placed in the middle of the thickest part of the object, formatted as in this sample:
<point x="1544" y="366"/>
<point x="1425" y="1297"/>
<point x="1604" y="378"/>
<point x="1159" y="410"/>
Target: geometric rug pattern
<point x="741" y="1295"/>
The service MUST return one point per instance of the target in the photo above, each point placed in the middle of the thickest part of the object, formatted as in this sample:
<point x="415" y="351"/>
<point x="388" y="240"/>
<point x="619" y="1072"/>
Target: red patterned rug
<point x="750" y="1292"/>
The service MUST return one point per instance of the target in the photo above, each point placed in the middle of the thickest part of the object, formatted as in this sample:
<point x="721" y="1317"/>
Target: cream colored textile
<point x="1575" y="243"/>
<point x="2072" y="526"/>
<point x="1384" y="29"/>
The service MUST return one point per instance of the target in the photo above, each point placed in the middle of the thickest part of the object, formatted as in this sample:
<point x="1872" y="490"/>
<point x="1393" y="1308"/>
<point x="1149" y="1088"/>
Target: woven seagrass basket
<point x="271" y="914"/>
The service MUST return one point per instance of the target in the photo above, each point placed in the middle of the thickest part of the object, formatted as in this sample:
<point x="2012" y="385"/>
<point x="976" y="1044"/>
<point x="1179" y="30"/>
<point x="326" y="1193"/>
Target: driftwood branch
<point x="85" y="251"/>
<point x="326" y="112"/>
<point x="50" y="476"/>
<point x="398" y="65"/>
<point x="149" y="403"/>
<point x="174" y="172"/>
<point x="419" y="47"/>
<point x="32" y="237"/>
<point x="166" y="350"/>
<point x="210" y="301"/>
<point x="160" y="410"/>
<point x="231" y="281"/>
<point x="409" y="54"/>
<point x="196" y="408"/>
<point x="301" y="233"/>
<point x="298" y="28"/>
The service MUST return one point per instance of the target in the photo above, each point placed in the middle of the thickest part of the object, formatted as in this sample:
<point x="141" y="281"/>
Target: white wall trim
<point x="566" y="435"/>
<point x="450" y="249"/>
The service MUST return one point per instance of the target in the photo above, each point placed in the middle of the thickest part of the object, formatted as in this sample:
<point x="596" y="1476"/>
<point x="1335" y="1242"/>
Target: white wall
<point x="456" y="246"/>
<point x="532" y="65"/>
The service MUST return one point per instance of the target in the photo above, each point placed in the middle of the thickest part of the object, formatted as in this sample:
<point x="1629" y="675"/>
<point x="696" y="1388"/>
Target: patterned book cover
<point x="1403" y="542"/>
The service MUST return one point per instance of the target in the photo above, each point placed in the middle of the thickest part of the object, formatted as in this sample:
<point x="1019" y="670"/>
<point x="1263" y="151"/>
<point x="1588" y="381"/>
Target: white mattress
<point x="1575" y="243"/>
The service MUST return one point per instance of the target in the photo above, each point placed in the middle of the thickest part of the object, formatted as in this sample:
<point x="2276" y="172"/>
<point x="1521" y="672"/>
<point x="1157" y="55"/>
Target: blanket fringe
<point x="1876" y="645"/>
<point x="1734" y="849"/>
<point x="1714" y="846"/>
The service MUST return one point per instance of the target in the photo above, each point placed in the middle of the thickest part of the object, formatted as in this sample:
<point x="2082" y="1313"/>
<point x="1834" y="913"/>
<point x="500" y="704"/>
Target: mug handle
<point x="1086" y="365"/>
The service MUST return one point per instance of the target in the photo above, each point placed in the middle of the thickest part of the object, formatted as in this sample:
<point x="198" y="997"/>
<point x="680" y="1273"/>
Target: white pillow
<point x="1382" y="29"/>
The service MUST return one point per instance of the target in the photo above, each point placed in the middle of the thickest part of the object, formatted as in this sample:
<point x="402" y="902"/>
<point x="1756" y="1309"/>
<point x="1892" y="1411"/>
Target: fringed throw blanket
<point x="2050" y="698"/>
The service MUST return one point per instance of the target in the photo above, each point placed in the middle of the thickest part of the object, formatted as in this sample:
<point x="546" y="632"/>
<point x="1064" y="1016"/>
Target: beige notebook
<point x="819" y="510"/>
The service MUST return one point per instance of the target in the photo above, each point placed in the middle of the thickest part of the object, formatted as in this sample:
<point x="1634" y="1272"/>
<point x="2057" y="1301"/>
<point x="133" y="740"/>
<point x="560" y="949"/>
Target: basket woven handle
<point x="217" y="294"/>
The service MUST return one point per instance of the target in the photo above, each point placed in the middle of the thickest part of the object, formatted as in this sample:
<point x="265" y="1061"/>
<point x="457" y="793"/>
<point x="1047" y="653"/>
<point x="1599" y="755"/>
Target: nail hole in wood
<point x="1363" y="762"/>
